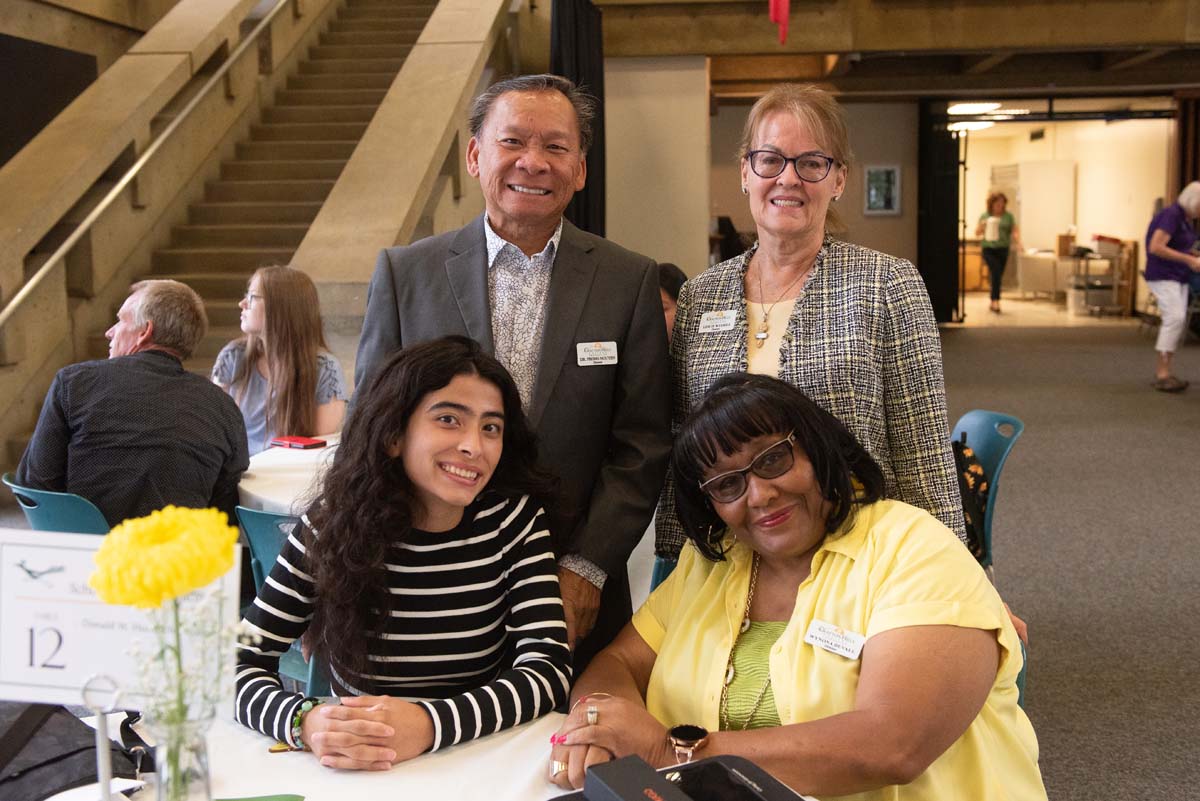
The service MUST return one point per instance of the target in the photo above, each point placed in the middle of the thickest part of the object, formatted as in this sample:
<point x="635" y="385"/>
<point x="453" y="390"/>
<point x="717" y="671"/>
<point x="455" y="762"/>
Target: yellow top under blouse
<point x="765" y="360"/>
<point x="896" y="566"/>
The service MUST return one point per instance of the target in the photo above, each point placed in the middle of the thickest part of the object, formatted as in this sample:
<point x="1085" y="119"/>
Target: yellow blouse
<point x="896" y="566"/>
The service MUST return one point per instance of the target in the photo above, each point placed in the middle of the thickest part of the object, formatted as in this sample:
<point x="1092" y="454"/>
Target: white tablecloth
<point x="280" y="479"/>
<point x="510" y="766"/>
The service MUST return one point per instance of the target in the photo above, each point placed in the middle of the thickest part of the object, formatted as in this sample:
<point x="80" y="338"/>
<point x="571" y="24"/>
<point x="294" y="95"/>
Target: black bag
<point x="45" y="750"/>
<point x="973" y="486"/>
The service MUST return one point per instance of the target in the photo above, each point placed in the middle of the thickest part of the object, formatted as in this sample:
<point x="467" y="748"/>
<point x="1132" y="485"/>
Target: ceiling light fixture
<point x="972" y="108"/>
<point x="970" y="126"/>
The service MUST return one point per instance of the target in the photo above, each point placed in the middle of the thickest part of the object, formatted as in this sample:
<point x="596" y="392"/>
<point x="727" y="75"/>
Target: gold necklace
<point x="760" y="336"/>
<point x="726" y="723"/>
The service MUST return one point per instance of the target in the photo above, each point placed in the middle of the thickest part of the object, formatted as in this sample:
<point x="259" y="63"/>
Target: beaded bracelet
<point x="306" y="706"/>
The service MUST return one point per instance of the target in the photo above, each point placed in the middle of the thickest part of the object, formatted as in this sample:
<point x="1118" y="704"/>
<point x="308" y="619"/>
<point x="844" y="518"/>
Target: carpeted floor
<point x="1096" y="545"/>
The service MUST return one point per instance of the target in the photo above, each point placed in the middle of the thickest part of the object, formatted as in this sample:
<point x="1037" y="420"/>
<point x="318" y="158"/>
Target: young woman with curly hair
<point x="423" y="574"/>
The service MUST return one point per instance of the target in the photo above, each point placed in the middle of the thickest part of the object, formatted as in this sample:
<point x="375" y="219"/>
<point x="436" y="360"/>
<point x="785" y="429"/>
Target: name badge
<point x="835" y="639"/>
<point x="717" y="321"/>
<point x="595" y="354"/>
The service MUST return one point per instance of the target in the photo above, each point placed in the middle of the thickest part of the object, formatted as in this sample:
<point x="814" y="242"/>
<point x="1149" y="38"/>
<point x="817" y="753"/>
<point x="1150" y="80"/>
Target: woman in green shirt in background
<point x="997" y="238"/>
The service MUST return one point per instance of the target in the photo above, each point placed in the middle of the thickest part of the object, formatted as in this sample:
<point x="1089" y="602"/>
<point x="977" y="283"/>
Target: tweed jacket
<point x="861" y="341"/>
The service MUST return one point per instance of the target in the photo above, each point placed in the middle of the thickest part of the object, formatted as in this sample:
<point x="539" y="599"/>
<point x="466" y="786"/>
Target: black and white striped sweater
<point x="475" y="633"/>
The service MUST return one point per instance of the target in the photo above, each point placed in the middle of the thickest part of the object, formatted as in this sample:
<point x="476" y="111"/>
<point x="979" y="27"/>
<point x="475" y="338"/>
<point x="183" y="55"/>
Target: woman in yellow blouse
<point x="847" y="644"/>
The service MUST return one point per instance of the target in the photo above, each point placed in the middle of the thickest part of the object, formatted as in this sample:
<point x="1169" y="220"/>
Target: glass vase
<point x="181" y="761"/>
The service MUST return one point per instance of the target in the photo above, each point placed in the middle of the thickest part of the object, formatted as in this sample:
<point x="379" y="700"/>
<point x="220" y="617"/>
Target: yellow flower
<point x="145" y="561"/>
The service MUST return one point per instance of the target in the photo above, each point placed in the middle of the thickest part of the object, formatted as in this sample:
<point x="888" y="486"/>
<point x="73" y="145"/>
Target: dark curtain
<point x="577" y="52"/>
<point x="937" y="210"/>
<point x="1189" y="140"/>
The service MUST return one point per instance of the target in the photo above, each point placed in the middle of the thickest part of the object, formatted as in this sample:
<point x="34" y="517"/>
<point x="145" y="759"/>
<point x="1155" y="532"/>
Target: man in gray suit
<point x="576" y="319"/>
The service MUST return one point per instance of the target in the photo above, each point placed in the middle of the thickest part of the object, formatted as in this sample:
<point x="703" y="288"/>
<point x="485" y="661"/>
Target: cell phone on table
<point x="298" y="442"/>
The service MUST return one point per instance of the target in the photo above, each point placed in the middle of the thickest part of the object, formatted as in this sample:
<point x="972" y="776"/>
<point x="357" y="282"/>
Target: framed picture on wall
<point x="881" y="189"/>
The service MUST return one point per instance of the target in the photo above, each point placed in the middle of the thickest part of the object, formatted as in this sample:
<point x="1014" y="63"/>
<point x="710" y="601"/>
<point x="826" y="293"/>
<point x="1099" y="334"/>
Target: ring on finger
<point x="593" y="714"/>
<point x="557" y="767"/>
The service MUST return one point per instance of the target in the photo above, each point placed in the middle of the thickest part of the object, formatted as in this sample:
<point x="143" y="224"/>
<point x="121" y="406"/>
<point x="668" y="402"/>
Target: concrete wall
<point x="880" y="134"/>
<point x="657" y="120"/>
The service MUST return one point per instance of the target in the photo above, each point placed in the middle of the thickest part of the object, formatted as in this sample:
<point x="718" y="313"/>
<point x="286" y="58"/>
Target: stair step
<point x="359" y="51"/>
<point x="234" y="213"/>
<point x="267" y="190"/>
<point x="359" y="12"/>
<point x="216" y="260"/>
<point x="238" y="236"/>
<point x="308" y="131"/>
<point x="295" y="151"/>
<point x="216" y="338"/>
<point x="396" y="24"/>
<point x="339" y="82"/>
<point x="227" y="285"/>
<point x="359" y="66"/>
<point x="371" y="37"/>
<point x="330" y="97"/>
<point x="281" y="113"/>
<point x="425" y="4"/>
<point x="222" y="312"/>
<point x="280" y="170"/>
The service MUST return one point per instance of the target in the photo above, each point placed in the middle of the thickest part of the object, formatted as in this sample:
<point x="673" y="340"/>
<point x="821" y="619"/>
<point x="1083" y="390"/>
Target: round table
<point x="284" y="480"/>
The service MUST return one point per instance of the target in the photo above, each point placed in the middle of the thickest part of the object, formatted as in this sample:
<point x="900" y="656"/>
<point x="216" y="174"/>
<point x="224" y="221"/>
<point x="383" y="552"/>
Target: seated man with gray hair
<point x="136" y="432"/>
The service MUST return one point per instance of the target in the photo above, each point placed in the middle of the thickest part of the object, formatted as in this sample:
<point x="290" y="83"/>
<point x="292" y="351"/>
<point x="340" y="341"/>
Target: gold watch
<point x="686" y="740"/>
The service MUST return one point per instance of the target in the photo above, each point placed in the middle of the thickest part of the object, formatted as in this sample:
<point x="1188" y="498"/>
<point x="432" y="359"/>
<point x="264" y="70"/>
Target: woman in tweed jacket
<point x="851" y="327"/>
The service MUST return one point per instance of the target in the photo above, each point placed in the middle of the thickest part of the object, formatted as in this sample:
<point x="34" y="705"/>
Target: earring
<point x="836" y="198"/>
<point x="745" y="191"/>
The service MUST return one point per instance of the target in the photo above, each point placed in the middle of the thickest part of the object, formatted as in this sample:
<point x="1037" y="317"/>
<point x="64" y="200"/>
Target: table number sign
<point x="56" y="634"/>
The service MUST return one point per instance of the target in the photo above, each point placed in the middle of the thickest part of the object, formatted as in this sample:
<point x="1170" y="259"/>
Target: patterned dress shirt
<point x="861" y="342"/>
<point x="517" y="289"/>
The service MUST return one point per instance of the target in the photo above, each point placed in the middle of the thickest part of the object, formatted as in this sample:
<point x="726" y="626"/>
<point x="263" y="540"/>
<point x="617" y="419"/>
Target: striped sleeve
<point x="537" y="678"/>
<point x="279" y="616"/>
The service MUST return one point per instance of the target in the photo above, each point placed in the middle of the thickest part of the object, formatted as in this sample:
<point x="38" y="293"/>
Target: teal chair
<point x="57" y="511"/>
<point x="992" y="436"/>
<point x="265" y="534"/>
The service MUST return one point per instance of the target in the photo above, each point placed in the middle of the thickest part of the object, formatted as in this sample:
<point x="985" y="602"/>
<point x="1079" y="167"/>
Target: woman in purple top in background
<point x="1171" y="265"/>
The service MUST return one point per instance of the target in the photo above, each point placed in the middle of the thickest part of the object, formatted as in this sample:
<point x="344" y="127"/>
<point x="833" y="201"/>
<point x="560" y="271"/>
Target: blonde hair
<point x="815" y="109"/>
<point x="177" y="312"/>
<point x="293" y="338"/>
<point x="1189" y="198"/>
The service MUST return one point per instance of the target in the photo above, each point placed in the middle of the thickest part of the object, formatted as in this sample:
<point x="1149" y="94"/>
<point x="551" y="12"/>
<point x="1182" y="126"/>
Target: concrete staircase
<point x="260" y="208"/>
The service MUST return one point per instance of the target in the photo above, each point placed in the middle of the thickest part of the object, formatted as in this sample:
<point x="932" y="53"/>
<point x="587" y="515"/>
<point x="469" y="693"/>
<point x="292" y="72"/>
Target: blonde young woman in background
<point x="281" y="373"/>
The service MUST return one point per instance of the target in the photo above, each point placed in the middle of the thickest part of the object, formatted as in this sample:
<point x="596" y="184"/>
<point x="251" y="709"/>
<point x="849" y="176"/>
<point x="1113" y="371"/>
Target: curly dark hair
<point x="367" y="501"/>
<point x="740" y="407"/>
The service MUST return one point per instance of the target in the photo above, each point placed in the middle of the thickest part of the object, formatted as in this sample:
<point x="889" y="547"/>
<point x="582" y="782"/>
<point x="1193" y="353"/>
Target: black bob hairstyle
<point x="368" y="503"/>
<point x="740" y="407"/>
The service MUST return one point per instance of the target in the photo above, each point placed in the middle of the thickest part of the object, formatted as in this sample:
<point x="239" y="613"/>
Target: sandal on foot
<point x="1170" y="384"/>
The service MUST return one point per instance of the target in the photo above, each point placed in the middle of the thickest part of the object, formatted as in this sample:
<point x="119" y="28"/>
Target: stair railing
<point x="218" y="77"/>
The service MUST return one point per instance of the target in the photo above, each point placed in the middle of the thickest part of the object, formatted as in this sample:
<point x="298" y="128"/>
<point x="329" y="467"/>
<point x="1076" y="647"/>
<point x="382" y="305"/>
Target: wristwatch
<point x="686" y="739"/>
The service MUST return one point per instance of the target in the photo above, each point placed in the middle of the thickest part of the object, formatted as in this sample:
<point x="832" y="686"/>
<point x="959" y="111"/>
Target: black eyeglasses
<point x="810" y="167"/>
<point x="770" y="463"/>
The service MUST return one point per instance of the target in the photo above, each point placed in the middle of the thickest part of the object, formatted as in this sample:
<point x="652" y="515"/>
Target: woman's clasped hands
<point x="367" y="732"/>
<point x="600" y="728"/>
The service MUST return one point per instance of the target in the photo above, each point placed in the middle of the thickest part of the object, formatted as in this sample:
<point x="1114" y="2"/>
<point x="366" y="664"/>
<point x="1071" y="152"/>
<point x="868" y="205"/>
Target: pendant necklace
<point x="760" y="336"/>
<point x="726" y="723"/>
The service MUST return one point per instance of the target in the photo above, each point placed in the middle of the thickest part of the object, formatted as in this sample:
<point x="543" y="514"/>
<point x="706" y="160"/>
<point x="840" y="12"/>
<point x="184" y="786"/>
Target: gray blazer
<point x="603" y="430"/>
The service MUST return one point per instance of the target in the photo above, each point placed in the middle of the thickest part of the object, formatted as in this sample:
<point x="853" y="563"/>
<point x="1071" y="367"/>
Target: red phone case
<point x="298" y="442"/>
